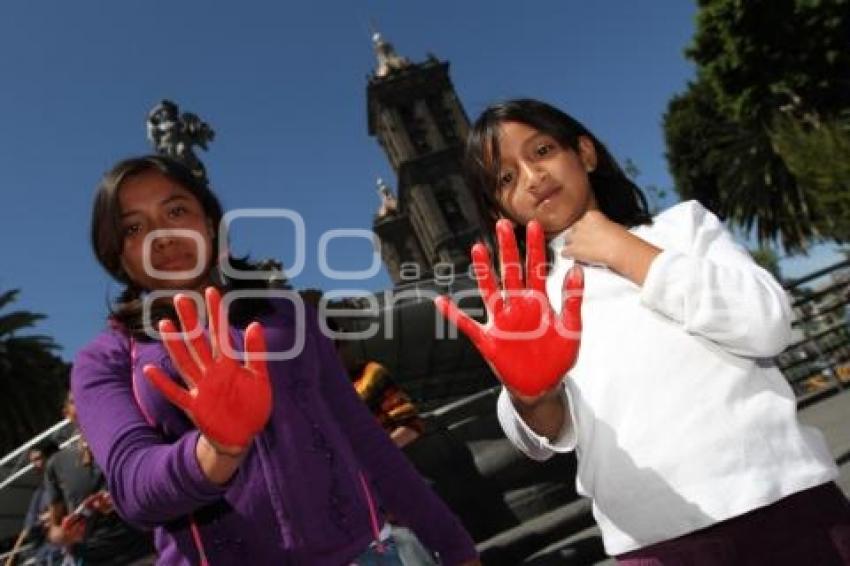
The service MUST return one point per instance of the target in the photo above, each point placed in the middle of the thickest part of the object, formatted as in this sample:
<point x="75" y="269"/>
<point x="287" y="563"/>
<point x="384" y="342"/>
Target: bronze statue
<point x="174" y="135"/>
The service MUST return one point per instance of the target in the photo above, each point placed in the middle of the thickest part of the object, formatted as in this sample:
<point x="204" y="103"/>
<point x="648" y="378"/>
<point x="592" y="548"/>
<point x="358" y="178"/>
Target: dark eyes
<point x="174" y="212"/>
<point x="177" y="211"/>
<point x="543" y="149"/>
<point x="506" y="179"/>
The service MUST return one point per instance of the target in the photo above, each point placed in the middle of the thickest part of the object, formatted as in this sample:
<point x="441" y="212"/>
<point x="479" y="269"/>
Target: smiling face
<point x="149" y="200"/>
<point x="541" y="180"/>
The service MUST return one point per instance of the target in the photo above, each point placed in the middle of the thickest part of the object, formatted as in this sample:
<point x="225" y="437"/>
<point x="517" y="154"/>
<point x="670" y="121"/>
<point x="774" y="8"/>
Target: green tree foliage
<point x="33" y="380"/>
<point x="760" y="56"/>
<point x="818" y="154"/>
<point x="731" y="167"/>
<point x="760" y="62"/>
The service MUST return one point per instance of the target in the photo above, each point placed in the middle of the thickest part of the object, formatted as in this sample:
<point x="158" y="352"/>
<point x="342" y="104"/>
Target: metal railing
<point x="16" y="463"/>
<point x="23" y="549"/>
<point x="818" y="362"/>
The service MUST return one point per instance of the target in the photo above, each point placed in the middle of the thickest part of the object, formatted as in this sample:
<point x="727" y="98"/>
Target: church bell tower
<point x="415" y="114"/>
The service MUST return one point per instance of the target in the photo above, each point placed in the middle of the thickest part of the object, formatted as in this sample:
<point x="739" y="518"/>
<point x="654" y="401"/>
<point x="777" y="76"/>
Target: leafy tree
<point x="764" y="56"/>
<point x="731" y="167"/>
<point x="818" y="154"/>
<point x="33" y="380"/>
<point x="761" y="63"/>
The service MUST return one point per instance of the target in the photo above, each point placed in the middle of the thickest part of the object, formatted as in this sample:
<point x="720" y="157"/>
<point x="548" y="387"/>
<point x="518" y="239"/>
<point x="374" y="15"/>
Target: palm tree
<point x="732" y="167"/>
<point x="817" y="152"/>
<point x="33" y="380"/>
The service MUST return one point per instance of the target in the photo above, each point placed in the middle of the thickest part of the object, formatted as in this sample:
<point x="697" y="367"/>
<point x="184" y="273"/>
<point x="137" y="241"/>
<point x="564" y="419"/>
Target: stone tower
<point x="428" y="227"/>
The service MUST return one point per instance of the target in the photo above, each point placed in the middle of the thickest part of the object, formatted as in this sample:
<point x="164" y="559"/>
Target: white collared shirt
<point x="677" y="413"/>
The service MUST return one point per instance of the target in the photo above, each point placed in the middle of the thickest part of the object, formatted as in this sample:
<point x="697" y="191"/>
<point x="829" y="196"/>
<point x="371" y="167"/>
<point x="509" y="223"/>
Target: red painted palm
<point x="528" y="345"/>
<point x="229" y="402"/>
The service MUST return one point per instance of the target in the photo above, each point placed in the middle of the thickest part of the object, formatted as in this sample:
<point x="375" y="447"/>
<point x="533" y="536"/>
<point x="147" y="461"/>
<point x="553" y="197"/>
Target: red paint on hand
<point x="229" y="402"/>
<point x="529" y="347"/>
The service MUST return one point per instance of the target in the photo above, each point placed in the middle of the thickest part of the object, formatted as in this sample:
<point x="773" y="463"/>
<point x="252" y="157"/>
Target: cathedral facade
<point x="428" y="228"/>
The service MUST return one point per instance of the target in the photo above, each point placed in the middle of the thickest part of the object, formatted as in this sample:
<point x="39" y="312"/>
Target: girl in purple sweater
<point x="231" y="461"/>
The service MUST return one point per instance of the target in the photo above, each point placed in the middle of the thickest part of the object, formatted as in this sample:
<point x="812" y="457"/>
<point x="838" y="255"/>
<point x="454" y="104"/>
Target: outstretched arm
<point x="151" y="480"/>
<point x="528" y="346"/>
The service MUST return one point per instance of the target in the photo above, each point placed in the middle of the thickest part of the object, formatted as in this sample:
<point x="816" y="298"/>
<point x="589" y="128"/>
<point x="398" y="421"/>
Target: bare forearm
<point x="217" y="466"/>
<point x="545" y="415"/>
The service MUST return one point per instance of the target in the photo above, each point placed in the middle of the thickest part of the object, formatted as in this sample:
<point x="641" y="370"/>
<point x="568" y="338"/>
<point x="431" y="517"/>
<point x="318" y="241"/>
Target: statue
<point x="173" y="134"/>
<point x="389" y="203"/>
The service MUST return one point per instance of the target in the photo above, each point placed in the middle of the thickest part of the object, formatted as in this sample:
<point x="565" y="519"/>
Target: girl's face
<point x="541" y="180"/>
<point x="151" y="201"/>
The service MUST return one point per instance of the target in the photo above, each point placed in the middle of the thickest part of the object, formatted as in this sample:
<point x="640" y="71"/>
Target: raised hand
<point x="74" y="528"/>
<point x="532" y="364"/>
<point x="595" y="239"/>
<point x="228" y="402"/>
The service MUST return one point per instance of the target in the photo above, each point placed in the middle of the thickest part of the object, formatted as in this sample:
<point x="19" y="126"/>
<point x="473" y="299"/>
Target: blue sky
<point x="283" y="84"/>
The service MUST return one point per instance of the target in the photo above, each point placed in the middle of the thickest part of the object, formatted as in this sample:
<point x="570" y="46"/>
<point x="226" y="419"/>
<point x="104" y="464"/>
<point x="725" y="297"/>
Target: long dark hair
<point x="107" y="240"/>
<point x="616" y="195"/>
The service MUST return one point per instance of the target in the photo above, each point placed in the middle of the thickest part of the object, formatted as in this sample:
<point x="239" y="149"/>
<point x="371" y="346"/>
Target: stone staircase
<point x="518" y="511"/>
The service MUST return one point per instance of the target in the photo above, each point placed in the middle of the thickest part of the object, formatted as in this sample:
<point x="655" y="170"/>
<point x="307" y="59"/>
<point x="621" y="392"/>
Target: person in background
<point x="81" y="517"/>
<point x="42" y="552"/>
<point x="390" y="405"/>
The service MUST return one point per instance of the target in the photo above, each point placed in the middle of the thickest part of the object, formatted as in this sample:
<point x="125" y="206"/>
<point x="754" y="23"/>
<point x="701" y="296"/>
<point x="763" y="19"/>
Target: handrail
<point x="14" y="551"/>
<point x="32" y="442"/>
<point x="24" y="469"/>
<point x="794" y="283"/>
